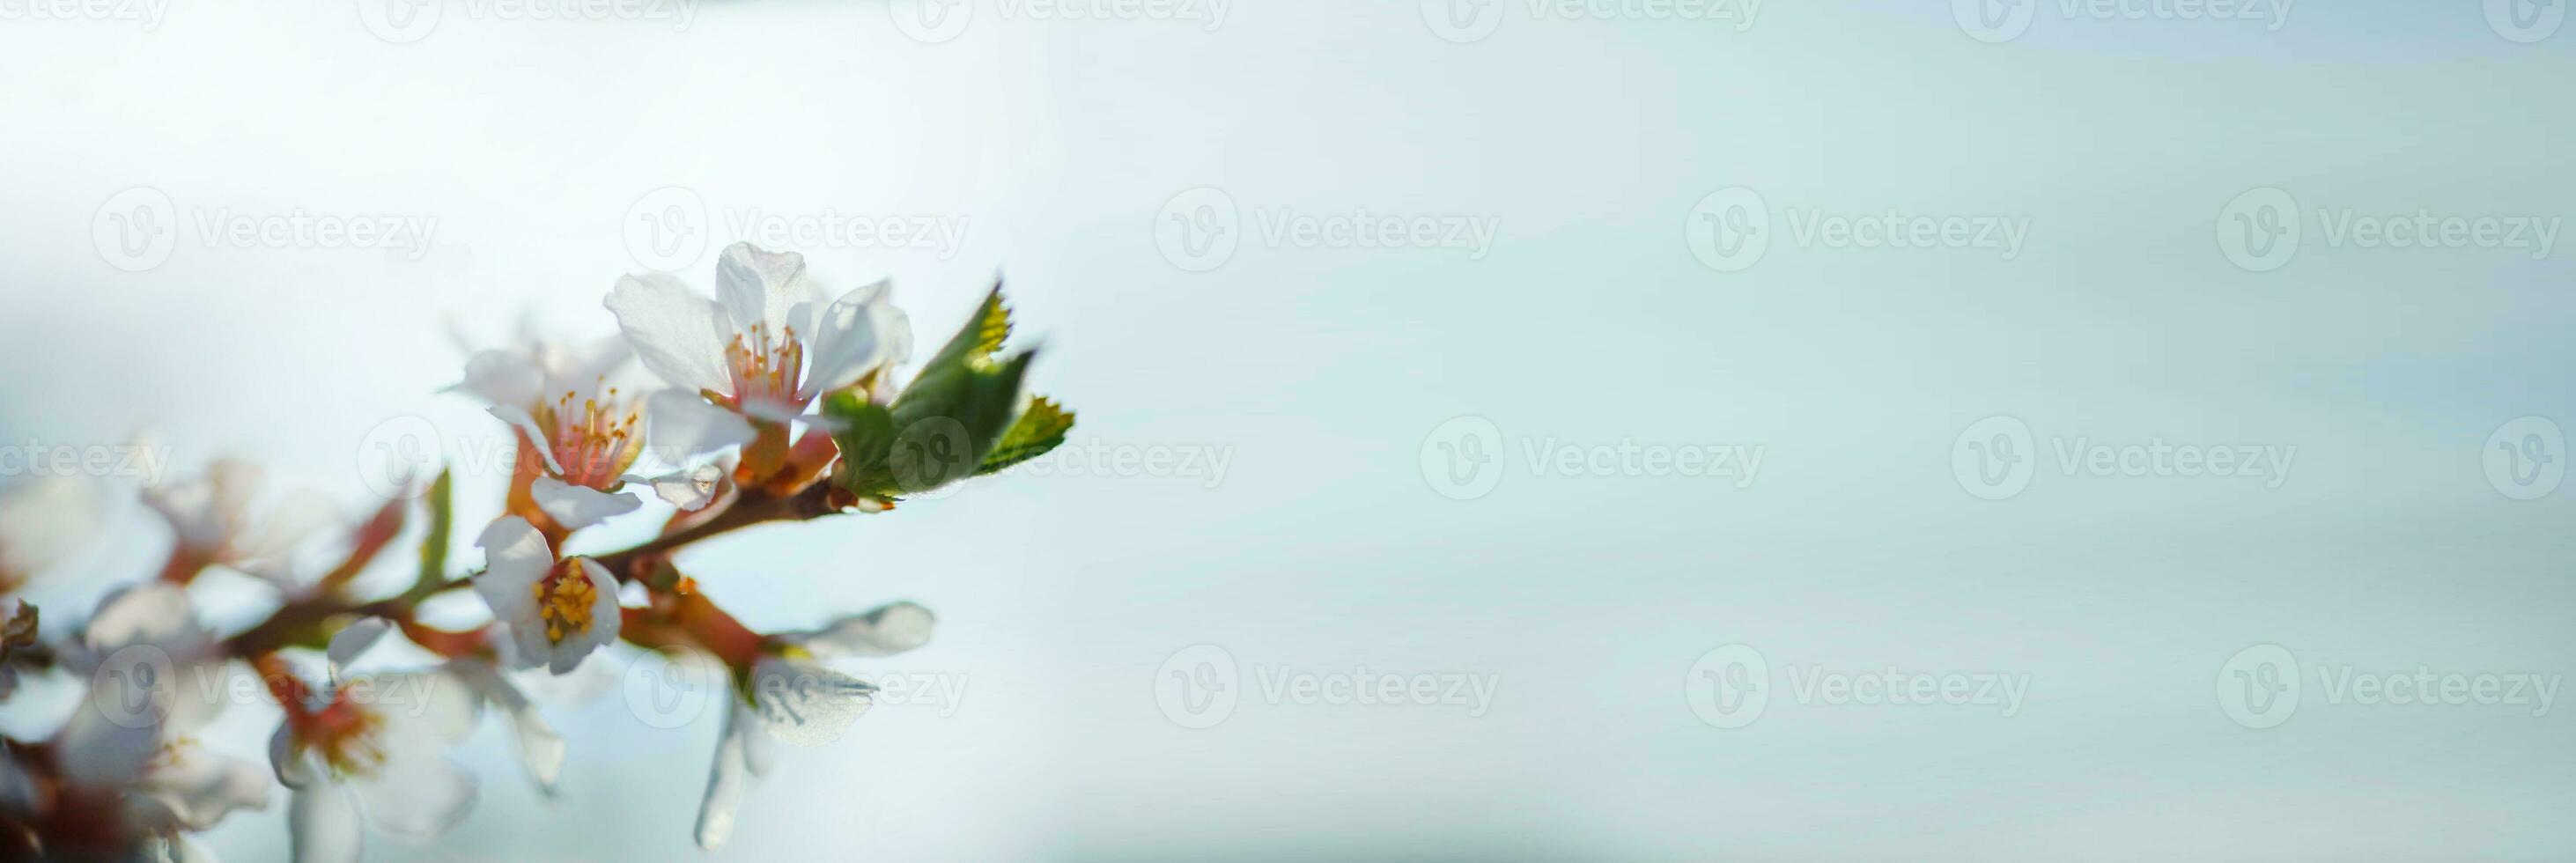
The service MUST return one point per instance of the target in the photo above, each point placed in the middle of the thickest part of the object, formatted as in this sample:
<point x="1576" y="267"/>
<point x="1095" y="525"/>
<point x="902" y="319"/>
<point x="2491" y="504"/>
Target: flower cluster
<point x="773" y="401"/>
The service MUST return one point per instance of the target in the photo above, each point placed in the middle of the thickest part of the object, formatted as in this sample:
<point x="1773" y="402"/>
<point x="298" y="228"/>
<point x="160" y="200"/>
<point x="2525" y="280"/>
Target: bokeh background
<point x="1603" y="312"/>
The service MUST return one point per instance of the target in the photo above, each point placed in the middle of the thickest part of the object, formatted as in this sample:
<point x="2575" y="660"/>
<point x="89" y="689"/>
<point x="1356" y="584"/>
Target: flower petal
<point x="418" y="797"/>
<point x="526" y="425"/>
<point x="44" y="519"/>
<point x="200" y="787"/>
<point x="882" y="631"/>
<point x="107" y="745"/>
<point x="690" y="490"/>
<point x="807" y="704"/>
<point x="726" y="779"/>
<point x="502" y="378"/>
<point x="685" y="426"/>
<point x="515" y="557"/>
<point x="579" y="506"/>
<point x="155" y="613"/>
<point x="323" y="819"/>
<point x="766" y="288"/>
<point x="855" y="336"/>
<point x="354" y="639"/>
<point x="541" y="749"/>
<point x="423" y="711"/>
<point x="678" y="334"/>
<point x="286" y="759"/>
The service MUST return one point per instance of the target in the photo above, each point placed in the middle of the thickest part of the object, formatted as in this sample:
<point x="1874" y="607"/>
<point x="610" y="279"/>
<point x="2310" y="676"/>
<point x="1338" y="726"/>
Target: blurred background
<point x="1611" y="377"/>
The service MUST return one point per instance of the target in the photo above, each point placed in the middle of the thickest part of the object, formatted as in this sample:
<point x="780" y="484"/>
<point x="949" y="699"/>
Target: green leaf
<point x="981" y="337"/>
<point x="442" y="523"/>
<point x="1040" y="428"/>
<point x="943" y="425"/>
<point x="947" y="423"/>
<point x="867" y="432"/>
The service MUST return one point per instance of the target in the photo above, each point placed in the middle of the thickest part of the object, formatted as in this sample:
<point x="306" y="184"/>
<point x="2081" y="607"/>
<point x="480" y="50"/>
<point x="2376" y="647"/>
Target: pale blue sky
<point x="1319" y="372"/>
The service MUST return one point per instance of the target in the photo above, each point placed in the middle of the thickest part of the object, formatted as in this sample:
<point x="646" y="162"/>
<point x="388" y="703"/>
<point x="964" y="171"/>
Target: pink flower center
<point x="765" y="368"/>
<point x="595" y="441"/>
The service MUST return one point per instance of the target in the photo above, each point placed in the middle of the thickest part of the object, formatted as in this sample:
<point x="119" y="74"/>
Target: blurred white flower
<point x="155" y="676"/>
<point x="42" y="521"/>
<point x="798" y="700"/>
<point x="372" y="751"/>
<point x="216" y="525"/>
